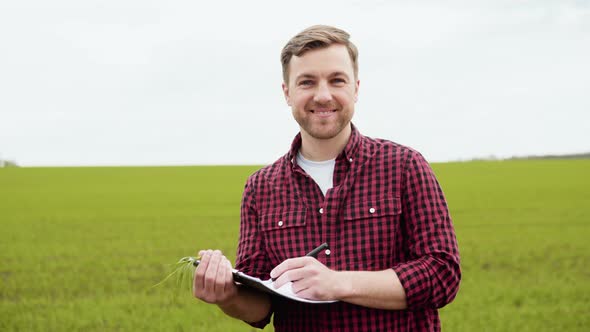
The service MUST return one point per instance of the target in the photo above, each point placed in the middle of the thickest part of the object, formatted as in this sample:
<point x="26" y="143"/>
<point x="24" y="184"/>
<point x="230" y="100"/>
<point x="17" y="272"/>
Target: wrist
<point x="230" y="299"/>
<point x="343" y="285"/>
<point x="246" y="304"/>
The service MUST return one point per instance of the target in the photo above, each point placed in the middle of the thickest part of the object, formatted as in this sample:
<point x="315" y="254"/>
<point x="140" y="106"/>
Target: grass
<point x="81" y="247"/>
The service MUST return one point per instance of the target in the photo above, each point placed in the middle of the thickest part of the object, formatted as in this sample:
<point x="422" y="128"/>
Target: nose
<point x="322" y="94"/>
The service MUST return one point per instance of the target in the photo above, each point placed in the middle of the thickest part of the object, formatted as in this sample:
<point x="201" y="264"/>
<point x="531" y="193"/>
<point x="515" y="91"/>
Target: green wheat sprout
<point x="183" y="271"/>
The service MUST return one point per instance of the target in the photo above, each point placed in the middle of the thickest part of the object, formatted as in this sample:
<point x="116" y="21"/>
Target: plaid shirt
<point x="386" y="210"/>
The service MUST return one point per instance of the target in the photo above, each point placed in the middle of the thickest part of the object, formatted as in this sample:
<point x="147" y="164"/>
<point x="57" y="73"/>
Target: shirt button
<point x="350" y="159"/>
<point x="372" y="210"/>
<point x="280" y="223"/>
<point x="328" y="252"/>
<point x="321" y="210"/>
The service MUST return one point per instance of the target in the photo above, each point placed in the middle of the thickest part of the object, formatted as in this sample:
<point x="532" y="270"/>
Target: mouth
<point x="323" y="112"/>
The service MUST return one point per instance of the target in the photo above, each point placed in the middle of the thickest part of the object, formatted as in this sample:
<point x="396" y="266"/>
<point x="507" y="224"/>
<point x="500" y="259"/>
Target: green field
<point x="80" y="247"/>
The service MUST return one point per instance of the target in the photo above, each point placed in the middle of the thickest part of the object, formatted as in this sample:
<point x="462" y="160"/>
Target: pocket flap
<point x="277" y="220"/>
<point x="371" y="208"/>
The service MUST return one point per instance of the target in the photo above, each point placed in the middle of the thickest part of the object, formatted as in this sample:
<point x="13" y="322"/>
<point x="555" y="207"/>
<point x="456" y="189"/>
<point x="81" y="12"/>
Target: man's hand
<point x="311" y="279"/>
<point x="213" y="281"/>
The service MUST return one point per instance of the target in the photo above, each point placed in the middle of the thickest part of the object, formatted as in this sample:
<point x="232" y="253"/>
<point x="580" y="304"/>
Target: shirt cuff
<point x="416" y="282"/>
<point x="263" y="322"/>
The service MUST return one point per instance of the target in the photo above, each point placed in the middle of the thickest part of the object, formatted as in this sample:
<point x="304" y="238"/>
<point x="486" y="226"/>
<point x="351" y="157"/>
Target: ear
<point x="356" y="90"/>
<point x="286" y="93"/>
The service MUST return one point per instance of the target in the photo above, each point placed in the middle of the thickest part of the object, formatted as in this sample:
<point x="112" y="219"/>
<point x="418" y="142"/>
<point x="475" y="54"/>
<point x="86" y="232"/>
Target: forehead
<point x="322" y="62"/>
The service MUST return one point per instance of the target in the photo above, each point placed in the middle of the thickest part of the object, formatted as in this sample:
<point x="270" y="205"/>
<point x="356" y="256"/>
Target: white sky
<point x="136" y="82"/>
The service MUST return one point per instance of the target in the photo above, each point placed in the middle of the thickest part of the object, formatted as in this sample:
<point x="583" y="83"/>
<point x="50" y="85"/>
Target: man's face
<point x="322" y="91"/>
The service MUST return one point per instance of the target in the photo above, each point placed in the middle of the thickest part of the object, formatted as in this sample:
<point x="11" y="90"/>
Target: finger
<point x="307" y="293"/>
<point x="223" y="271"/>
<point x="201" y="270"/>
<point x="229" y="278"/>
<point x="197" y="284"/>
<point x="299" y="286"/>
<point x="290" y="276"/>
<point x="289" y="264"/>
<point x="230" y="287"/>
<point x="211" y="274"/>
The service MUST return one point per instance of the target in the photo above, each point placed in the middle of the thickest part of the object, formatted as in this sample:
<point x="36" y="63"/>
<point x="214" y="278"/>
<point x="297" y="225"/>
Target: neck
<point x="316" y="149"/>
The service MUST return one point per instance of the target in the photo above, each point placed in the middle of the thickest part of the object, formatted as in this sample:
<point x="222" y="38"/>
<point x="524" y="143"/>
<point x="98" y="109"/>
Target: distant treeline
<point x="585" y="155"/>
<point x="8" y="163"/>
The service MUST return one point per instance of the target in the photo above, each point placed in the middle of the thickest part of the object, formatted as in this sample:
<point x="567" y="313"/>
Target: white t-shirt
<point x="322" y="172"/>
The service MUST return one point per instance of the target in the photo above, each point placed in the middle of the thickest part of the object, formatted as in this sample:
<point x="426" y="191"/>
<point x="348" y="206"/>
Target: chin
<point x="324" y="133"/>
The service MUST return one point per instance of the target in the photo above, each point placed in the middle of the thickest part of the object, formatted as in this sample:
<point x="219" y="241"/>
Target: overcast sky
<point x="136" y="82"/>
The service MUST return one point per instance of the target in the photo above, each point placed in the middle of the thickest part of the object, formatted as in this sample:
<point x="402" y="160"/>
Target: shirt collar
<point x="349" y="153"/>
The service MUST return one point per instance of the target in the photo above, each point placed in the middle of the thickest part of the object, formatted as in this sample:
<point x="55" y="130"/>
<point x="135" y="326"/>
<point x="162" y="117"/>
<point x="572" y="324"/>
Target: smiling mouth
<point x="322" y="112"/>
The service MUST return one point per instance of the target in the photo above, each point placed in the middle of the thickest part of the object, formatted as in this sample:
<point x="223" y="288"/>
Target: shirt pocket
<point x="283" y="231"/>
<point x="373" y="208"/>
<point x="371" y="233"/>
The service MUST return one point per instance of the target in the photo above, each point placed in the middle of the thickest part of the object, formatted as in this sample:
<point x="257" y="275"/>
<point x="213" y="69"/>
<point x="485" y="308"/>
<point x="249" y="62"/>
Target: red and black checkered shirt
<point x="385" y="210"/>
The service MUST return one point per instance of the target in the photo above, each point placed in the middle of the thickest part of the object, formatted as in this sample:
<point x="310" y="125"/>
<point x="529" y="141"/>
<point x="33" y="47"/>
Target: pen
<point x="314" y="253"/>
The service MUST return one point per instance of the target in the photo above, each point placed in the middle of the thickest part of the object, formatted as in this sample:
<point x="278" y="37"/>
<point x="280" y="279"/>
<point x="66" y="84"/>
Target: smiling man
<point x="392" y="259"/>
<point x="321" y="88"/>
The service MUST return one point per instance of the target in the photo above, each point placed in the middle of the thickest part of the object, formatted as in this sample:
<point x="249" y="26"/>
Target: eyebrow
<point x="339" y="73"/>
<point x="304" y="76"/>
<point x="334" y="74"/>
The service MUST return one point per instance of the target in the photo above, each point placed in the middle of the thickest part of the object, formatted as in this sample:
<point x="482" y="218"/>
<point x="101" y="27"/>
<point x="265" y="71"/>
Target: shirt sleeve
<point x="431" y="277"/>
<point x="251" y="258"/>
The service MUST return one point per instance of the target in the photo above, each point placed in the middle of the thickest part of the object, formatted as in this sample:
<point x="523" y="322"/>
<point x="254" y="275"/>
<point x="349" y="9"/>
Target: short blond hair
<point x="315" y="37"/>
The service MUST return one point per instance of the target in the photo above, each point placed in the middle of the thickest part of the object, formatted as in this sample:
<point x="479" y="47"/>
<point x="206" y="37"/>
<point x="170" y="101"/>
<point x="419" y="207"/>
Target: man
<point x="392" y="259"/>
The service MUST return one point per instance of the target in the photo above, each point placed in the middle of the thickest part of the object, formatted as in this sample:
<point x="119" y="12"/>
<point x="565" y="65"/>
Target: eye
<point x="306" y="82"/>
<point x="339" y="81"/>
